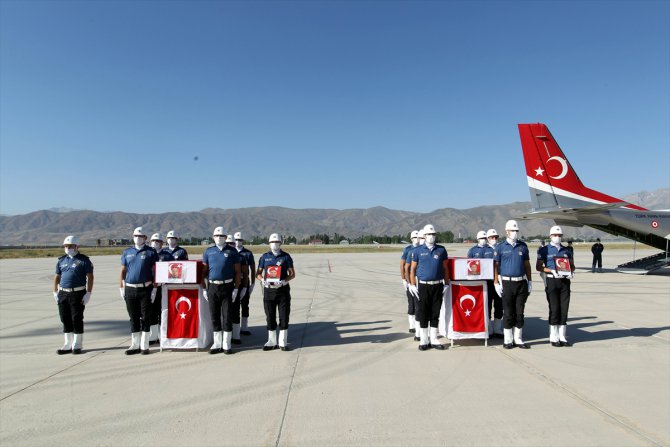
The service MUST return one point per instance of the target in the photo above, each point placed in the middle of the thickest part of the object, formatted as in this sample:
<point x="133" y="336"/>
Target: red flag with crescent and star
<point x="467" y="303"/>
<point x="182" y="313"/>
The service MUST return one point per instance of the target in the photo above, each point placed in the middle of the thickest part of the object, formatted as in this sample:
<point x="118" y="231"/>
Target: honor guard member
<point x="405" y="262"/>
<point x="249" y="281"/>
<point x="275" y="270"/>
<point x="221" y="279"/>
<point x="136" y="286"/>
<point x="177" y="253"/>
<point x="512" y="278"/>
<point x="597" y="250"/>
<point x="495" y="302"/>
<point x="429" y="267"/>
<point x="156" y="305"/>
<point x="72" y="289"/>
<point x="478" y="250"/>
<point x="558" y="284"/>
<point x="236" y="303"/>
<point x="413" y="291"/>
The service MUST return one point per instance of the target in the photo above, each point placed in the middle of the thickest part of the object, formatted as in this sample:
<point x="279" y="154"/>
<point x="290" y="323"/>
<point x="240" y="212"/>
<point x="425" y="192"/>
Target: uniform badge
<point x="225" y="254"/>
<point x="435" y="256"/>
<point x="520" y="253"/>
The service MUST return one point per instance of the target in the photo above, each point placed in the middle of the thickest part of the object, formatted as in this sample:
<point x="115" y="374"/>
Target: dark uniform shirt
<point x="549" y="253"/>
<point x="247" y="255"/>
<point x="221" y="262"/>
<point x="283" y="260"/>
<point x="476" y="251"/>
<point x="488" y="252"/>
<point x="139" y="264"/>
<point x="178" y="254"/>
<point x="406" y="253"/>
<point x="73" y="270"/>
<point x="430" y="262"/>
<point x="511" y="258"/>
<point x="164" y="255"/>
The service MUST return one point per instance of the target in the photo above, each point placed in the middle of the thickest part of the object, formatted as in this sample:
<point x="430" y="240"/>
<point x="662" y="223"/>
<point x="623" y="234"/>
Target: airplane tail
<point x="552" y="181"/>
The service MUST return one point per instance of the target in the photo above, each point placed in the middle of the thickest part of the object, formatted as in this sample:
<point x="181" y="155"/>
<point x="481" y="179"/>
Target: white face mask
<point x="422" y="241"/>
<point x="138" y="240"/>
<point x="430" y="239"/>
<point x="274" y="246"/>
<point x="172" y="242"/>
<point x="513" y="235"/>
<point x="239" y="244"/>
<point x="555" y="240"/>
<point x="481" y="242"/>
<point x="415" y="241"/>
<point x="220" y="241"/>
<point x="156" y="245"/>
<point x="493" y="242"/>
<point x="70" y="252"/>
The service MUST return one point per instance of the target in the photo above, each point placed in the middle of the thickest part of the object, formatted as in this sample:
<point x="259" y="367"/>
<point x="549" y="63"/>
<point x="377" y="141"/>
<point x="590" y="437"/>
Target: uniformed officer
<point x="513" y="282"/>
<point x="177" y="253"/>
<point x="414" y="291"/>
<point x="236" y="302"/>
<point x="72" y="289"/>
<point x="156" y="305"/>
<point x="405" y="262"/>
<point x="430" y="268"/>
<point x="477" y="251"/>
<point x="558" y="285"/>
<point x="495" y="302"/>
<point x="248" y="283"/>
<point x="597" y="250"/>
<point x="136" y="286"/>
<point x="221" y="279"/>
<point x="275" y="270"/>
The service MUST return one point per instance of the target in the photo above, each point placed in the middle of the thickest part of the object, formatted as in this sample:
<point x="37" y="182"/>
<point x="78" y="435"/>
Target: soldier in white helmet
<point x="163" y="255"/>
<point x="555" y="260"/>
<point x="221" y="281"/>
<point x="405" y="262"/>
<point x="177" y="253"/>
<point x="414" y="291"/>
<point x="248" y="282"/>
<point x="136" y="285"/>
<point x="512" y="278"/>
<point x="495" y="302"/>
<point x="275" y="270"/>
<point x="72" y="289"/>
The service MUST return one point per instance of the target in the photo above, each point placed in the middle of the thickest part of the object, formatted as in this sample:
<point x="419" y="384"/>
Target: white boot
<point x="227" y="338"/>
<point x="561" y="335"/>
<point x="411" y="320"/>
<point x="216" y="346"/>
<point x="518" y="338"/>
<point x="76" y="345"/>
<point x="67" y="344"/>
<point x="144" y="343"/>
<point x="283" y="340"/>
<point x="497" y="326"/>
<point x="236" y="334"/>
<point x="134" y="344"/>
<point x="244" y="330"/>
<point x="417" y="330"/>
<point x="508" y="338"/>
<point x="272" y="341"/>
<point x="424" y="342"/>
<point x="154" y="333"/>
<point x="553" y="335"/>
<point x="434" y="343"/>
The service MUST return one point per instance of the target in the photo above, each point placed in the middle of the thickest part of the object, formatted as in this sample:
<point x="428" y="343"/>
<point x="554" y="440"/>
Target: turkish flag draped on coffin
<point x="182" y="313"/>
<point x="469" y="310"/>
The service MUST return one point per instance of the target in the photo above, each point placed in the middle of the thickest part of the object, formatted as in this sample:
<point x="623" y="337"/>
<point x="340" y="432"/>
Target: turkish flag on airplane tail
<point x="467" y="304"/>
<point x="182" y="313"/>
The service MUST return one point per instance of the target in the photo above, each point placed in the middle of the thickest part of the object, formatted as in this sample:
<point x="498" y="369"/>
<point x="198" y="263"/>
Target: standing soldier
<point x="556" y="262"/>
<point x="429" y="266"/>
<point x="489" y="251"/>
<point x="405" y="262"/>
<point x="221" y="279"/>
<point x="477" y="251"/>
<point x="249" y="281"/>
<point x="597" y="250"/>
<point x="413" y="290"/>
<point x="512" y="278"/>
<point x="137" y="289"/>
<point x="275" y="270"/>
<point x="72" y="289"/>
<point x="156" y="305"/>
<point x="177" y="253"/>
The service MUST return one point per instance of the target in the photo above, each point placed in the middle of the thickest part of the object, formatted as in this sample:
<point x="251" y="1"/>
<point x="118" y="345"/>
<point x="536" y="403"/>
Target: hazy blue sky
<point x="324" y="104"/>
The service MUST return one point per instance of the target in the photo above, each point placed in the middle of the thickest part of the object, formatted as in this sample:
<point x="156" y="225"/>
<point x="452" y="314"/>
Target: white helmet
<point x="173" y="234"/>
<point x="274" y="237"/>
<point x="481" y="235"/>
<point x="139" y="231"/>
<point x="555" y="230"/>
<point x="218" y="231"/>
<point x="156" y="237"/>
<point x="429" y="229"/>
<point x="511" y="225"/>
<point x="414" y="234"/>
<point x="492" y="232"/>
<point x="71" y="240"/>
<point x="230" y="238"/>
<point x="238" y="236"/>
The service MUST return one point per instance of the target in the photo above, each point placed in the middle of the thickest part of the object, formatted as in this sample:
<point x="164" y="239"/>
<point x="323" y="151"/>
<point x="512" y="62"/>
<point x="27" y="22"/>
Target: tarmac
<point x="354" y="376"/>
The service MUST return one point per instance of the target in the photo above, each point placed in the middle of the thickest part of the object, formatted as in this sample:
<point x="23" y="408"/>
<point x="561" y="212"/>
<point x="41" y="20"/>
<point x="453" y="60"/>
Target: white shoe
<point x="226" y="345"/>
<point x="283" y="340"/>
<point x="411" y="321"/>
<point x="67" y="343"/>
<point x="425" y="339"/>
<point x="553" y="333"/>
<point x="518" y="338"/>
<point x="134" y="344"/>
<point x="272" y="341"/>
<point x="216" y="346"/>
<point x="236" y="334"/>
<point x="144" y="343"/>
<point x="561" y="335"/>
<point x="508" y="338"/>
<point x="154" y="333"/>
<point x="434" y="343"/>
<point x="76" y="344"/>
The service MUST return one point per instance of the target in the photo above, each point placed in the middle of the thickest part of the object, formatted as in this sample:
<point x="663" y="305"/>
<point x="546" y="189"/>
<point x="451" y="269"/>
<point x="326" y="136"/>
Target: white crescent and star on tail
<point x="465" y="298"/>
<point x="564" y="168"/>
<point x="185" y="300"/>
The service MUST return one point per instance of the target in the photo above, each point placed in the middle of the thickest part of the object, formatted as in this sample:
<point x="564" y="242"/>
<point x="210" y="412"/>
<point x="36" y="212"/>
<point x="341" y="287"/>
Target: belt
<point x="227" y="281"/>
<point x="274" y="286"/>
<point x="440" y="281"/>
<point x="140" y="285"/>
<point x="76" y="289"/>
<point x="514" y="278"/>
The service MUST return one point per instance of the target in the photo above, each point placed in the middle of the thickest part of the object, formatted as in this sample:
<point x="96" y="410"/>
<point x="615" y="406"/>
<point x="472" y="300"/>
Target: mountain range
<point x="47" y="227"/>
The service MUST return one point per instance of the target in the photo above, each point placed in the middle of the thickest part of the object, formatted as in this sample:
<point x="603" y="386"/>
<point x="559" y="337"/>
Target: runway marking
<point x="585" y="401"/>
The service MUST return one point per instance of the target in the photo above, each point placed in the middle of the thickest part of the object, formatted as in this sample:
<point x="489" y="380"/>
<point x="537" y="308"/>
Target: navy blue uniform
<point x="558" y="289"/>
<point x="495" y="302"/>
<point x="139" y="279"/>
<point x="476" y="252"/>
<point x="411" y="300"/>
<point x="164" y="255"/>
<point x="72" y="272"/>
<point x="430" y="274"/>
<point x="597" y="250"/>
<point x="247" y="260"/>
<point x="178" y="254"/>
<point x="221" y="283"/>
<point x="277" y="298"/>
<point x="511" y="261"/>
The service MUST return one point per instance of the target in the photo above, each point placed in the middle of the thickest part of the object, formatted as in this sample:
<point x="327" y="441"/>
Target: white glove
<point x="153" y="294"/>
<point x="87" y="296"/>
<point x="571" y="275"/>
<point x="243" y="292"/>
<point x="264" y="283"/>
<point x="530" y="286"/>
<point x="498" y="288"/>
<point x="123" y="296"/>
<point x="282" y="283"/>
<point x="445" y="289"/>
<point x="555" y="274"/>
<point x="204" y="294"/>
<point x="235" y="291"/>
<point x="405" y="284"/>
<point x="56" y="297"/>
<point x="251" y="288"/>
<point x="414" y="290"/>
